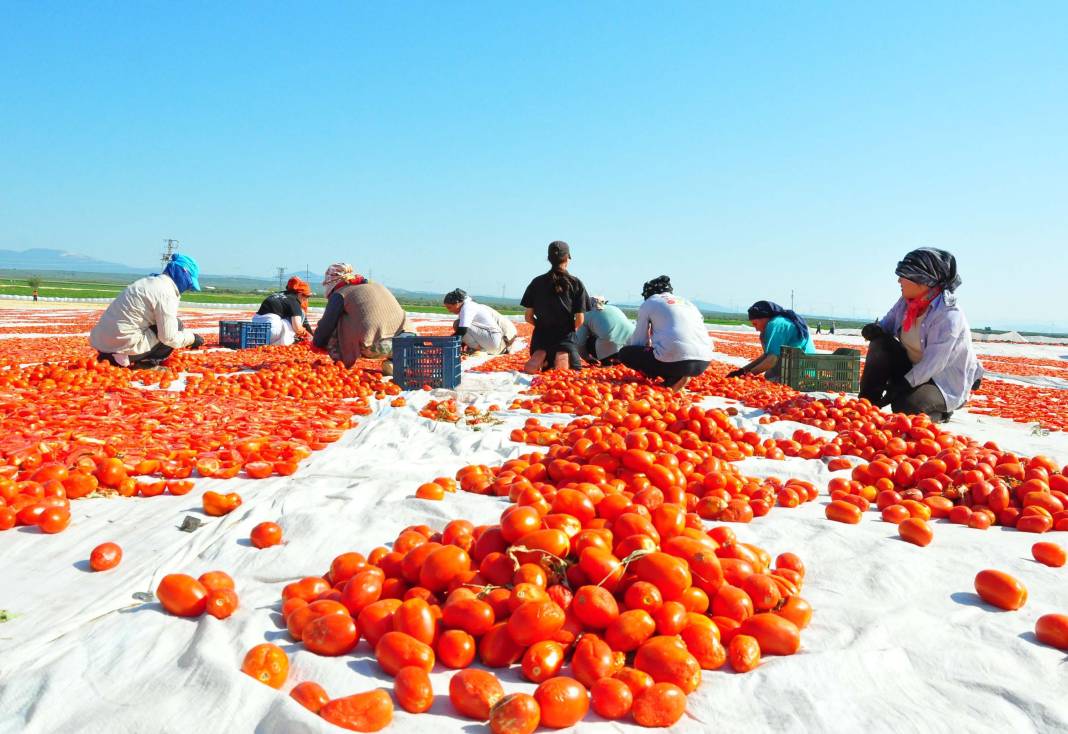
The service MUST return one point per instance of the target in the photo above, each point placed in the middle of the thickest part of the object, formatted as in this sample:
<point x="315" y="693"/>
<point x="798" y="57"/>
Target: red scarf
<point x="916" y="307"/>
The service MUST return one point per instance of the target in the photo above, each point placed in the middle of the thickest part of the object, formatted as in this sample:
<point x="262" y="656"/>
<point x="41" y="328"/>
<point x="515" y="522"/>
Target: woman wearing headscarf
<point x="556" y="304"/>
<point x="670" y="339"/>
<point x="920" y="357"/>
<point x="287" y="313"/>
<point x="481" y="328"/>
<point x="360" y="320"/>
<point x="141" y="326"/>
<point x="778" y="327"/>
<point x="604" y="331"/>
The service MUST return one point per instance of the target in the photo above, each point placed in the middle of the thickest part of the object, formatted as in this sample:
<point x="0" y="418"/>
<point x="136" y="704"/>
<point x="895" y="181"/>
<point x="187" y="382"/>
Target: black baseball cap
<point x="559" y="249"/>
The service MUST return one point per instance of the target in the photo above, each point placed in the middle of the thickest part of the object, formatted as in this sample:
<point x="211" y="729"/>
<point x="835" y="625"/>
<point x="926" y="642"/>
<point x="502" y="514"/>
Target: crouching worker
<point x="604" y="331"/>
<point x="670" y="340"/>
<point x="287" y="313"/>
<point x="778" y="327"/>
<point x="556" y="303"/>
<point x="141" y="327"/>
<point x="920" y="355"/>
<point x="481" y="328"/>
<point x="360" y="320"/>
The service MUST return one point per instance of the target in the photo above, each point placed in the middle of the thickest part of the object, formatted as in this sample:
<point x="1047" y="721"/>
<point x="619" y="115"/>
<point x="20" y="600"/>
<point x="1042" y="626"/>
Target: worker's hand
<point x="872" y="331"/>
<point x="736" y="373"/>
<point x="198" y="342"/>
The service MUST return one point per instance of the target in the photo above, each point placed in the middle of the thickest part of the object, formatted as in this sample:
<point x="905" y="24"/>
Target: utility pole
<point x="170" y="246"/>
<point x="791" y="299"/>
<point x="281" y="276"/>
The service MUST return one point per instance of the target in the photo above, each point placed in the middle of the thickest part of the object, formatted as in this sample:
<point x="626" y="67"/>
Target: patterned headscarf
<point x="340" y="274"/>
<point x="599" y="302"/>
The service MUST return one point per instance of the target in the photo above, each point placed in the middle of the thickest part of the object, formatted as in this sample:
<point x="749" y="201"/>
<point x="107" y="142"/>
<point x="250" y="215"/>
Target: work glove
<point x="736" y="373"/>
<point x="198" y="342"/>
<point x="872" y="331"/>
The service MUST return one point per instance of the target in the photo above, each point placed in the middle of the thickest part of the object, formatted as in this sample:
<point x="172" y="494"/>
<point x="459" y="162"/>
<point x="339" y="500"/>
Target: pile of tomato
<point x="605" y="597"/>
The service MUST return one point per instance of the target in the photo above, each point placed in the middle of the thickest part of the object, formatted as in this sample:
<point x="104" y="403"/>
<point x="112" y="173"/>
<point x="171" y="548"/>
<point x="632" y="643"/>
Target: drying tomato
<point x="105" y="557"/>
<point x="661" y="705"/>
<point x="473" y="692"/>
<point x="413" y="690"/>
<point x="1000" y="589"/>
<point x="182" y="595"/>
<point x="266" y="534"/>
<point x="517" y="713"/>
<point x="310" y="695"/>
<point x="370" y="711"/>
<point x="563" y="702"/>
<point x="216" y="504"/>
<point x="268" y="664"/>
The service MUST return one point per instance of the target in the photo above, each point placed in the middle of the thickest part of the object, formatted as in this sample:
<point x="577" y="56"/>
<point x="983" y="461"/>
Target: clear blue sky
<point x="744" y="149"/>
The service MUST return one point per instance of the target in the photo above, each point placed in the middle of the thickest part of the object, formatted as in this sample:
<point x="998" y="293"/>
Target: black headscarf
<point x="455" y="296"/>
<point x="930" y="267"/>
<point x="657" y="285"/>
<point x="770" y="309"/>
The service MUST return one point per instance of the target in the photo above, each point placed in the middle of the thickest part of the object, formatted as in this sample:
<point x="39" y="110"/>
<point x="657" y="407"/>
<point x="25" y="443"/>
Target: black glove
<point x="872" y="331"/>
<point x="198" y="342"/>
<point x="736" y="373"/>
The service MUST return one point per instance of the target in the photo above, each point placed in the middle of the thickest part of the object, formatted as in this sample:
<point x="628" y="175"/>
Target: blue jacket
<point x="948" y="356"/>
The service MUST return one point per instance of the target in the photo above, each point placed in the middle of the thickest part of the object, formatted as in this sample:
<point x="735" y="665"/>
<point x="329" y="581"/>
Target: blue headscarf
<point x="184" y="271"/>
<point x="769" y="310"/>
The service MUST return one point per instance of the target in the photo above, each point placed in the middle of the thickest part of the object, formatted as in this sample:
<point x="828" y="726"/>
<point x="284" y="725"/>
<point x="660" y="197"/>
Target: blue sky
<point x="743" y="149"/>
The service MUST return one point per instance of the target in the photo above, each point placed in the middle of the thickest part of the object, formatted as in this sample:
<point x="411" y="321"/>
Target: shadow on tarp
<point x="366" y="665"/>
<point x="967" y="598"/>
<point x="154" y="607"/>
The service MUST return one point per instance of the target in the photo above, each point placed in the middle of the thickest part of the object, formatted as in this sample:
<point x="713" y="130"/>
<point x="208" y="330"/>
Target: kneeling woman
<point x="920" y="357"/>
<point x="670" y="340"/>
<point x="778" y="327"/>
<point x="481" y="328"/>
<point x="287" y="313"/>
<point x="556" y="303"/>
<point x="360" y="320"/>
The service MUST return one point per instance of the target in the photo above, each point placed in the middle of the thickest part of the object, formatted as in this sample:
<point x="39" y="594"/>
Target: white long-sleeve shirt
<point x="123" y="328"/>
<point x="674" y="327"/>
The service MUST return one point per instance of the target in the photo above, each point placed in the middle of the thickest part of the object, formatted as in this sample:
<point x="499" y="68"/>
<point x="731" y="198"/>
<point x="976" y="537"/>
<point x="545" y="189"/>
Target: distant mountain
<point x="714" y="307"/>
<point x="59" y="260"/>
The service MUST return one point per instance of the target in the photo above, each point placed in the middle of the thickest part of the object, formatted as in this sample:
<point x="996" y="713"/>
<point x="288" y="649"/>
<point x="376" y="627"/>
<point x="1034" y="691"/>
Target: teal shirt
<point x="779" y="333"/>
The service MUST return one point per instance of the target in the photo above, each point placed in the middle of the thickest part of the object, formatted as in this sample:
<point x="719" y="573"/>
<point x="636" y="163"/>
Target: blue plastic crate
<point x="244" y="334"/>
<point x="426" y="360"/>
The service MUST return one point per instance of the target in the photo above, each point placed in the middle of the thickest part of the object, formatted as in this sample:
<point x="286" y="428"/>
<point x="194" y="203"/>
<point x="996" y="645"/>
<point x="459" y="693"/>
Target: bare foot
<point x="535" y="363"/>
<point x="562" y="361"/>
<point x="681" y="384"/>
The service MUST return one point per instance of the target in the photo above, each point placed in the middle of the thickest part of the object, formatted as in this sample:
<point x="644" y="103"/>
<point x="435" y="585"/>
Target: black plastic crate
<point x="838" y="372"/>
<point x="244" y="334"/>
<point x="426" y="360"/>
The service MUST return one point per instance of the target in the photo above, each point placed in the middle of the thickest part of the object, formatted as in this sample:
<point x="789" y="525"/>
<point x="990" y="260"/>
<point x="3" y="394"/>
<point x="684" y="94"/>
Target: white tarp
<point x="899" y="641"/>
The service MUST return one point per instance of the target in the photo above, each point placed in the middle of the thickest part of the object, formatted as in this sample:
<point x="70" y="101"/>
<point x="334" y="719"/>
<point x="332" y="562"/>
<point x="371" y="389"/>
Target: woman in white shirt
<point x="670" y="338"/>
<point x="481" y="328"/>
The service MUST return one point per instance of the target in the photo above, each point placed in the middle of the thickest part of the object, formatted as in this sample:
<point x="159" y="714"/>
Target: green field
<point x="90" y="288"/>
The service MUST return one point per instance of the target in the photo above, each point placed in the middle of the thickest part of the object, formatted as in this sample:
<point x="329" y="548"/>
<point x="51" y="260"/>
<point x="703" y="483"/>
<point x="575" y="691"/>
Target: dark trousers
<point x="883" y="381"/>
<point x="643" y="360"/>
<point x="153" y="356"/>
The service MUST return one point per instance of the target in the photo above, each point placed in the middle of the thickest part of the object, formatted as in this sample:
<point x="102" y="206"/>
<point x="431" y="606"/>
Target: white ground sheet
<point x="899" y="641"/>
